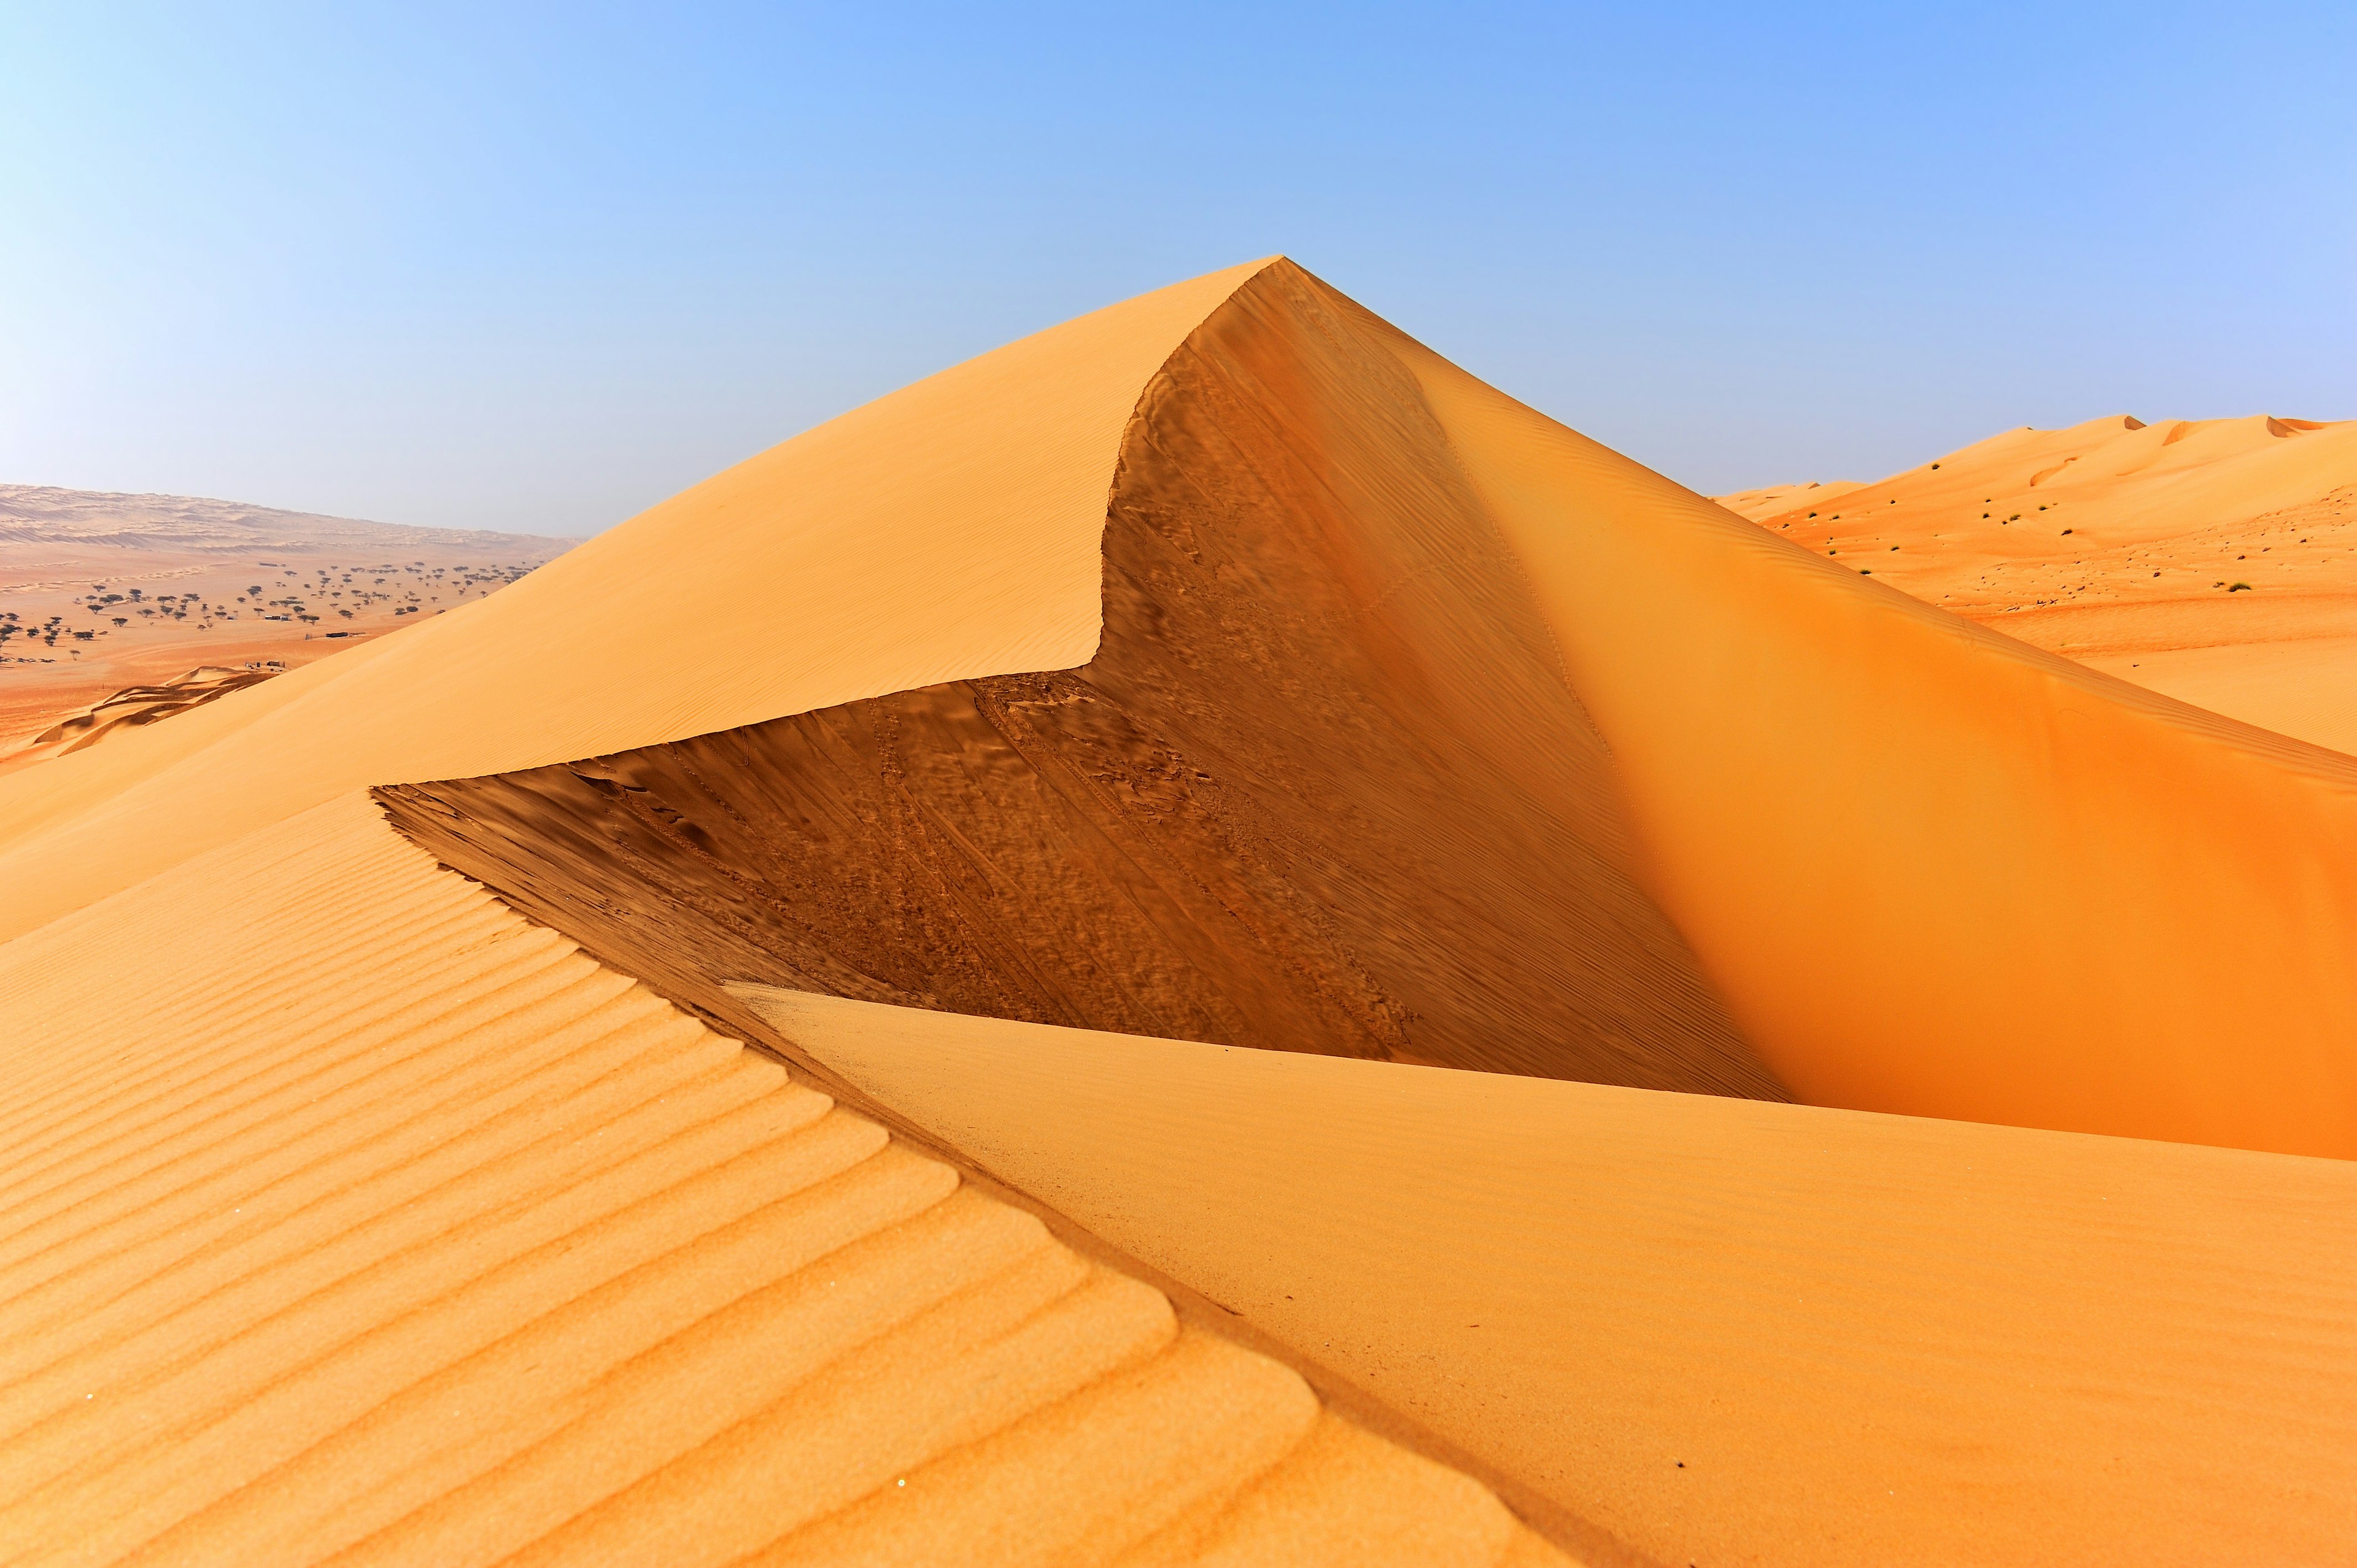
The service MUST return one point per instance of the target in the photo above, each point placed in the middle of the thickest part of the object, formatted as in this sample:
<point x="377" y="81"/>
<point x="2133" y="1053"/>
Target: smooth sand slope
<point x="947" y="531"/>
<point x="1322" y="787"/>
<point x="1728" y="1332"/>
<point x="368" y="1223"/>
<point x="2122" y="543"/>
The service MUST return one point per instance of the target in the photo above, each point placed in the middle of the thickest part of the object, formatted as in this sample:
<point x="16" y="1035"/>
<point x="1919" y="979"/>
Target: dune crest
<point x="1923" y="868"/>
<point x="1322" y="787"/>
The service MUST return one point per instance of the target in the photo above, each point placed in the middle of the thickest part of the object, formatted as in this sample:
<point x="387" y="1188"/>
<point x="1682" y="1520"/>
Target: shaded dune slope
<point x="1322" y="787"/>
<point x="1726" y="1331"/>
<point x="376" y="1225"/>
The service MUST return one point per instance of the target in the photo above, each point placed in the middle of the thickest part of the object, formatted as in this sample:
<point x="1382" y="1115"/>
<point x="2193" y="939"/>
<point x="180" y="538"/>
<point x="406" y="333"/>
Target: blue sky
<point x="538" y="267"/>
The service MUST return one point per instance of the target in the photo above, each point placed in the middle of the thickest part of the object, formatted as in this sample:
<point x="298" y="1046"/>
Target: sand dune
<point x="2123" y="543"/>
<point x="133" y="706"/>
<point x="1774" y="501"/>
<point x="945" y="532"/>
<point x="2080" y="905"/>
<point x="1723" y="1331"/>
<point x="1223" y="662"/>
<point x="1322" y="786"/>
<point x="388" y="1228"/>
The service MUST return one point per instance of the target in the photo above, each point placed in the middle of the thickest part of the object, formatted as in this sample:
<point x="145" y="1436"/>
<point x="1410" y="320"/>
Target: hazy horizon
<point x="535" y="272"/>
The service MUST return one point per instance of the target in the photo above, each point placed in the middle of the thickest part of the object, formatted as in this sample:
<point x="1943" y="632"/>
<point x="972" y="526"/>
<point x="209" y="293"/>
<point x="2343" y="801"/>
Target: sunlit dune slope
<point x="1725" y="1331"/>
<point x="1322" y="787"/>
<point x="2212" y="560"/>
<point x="947" y="530"/>
<point x="345" y="1216"/>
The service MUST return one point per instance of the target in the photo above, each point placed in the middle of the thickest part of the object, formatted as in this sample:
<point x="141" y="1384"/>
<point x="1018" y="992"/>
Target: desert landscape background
<point x="159" y="603"/>
<point x="1204" y="940"/>
<point x="2209" y="559"/>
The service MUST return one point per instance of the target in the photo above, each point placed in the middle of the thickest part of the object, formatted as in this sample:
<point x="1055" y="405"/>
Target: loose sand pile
<point x="1224" y="664"/>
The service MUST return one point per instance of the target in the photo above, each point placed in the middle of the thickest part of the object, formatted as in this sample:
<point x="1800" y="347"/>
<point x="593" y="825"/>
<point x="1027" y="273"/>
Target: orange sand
<point x="1726" y="1330"/>
<point x="383" y="1227"/>
<point x="947" y="530"/>
<point x="2163" y="519"/>
<point x="1932" y="869"/>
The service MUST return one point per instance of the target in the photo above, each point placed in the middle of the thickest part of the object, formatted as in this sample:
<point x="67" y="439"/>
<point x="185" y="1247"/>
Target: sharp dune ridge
<point x="1322" y="786"/>
<point x="425" y="1139"/>
<point x="1762" y="773"/>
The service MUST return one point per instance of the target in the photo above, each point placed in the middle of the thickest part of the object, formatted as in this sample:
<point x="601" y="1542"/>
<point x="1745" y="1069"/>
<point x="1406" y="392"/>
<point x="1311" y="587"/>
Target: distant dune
<point x="2212" y="560"/>
<point x="1777" y="499"/>
<point x="524" y="1090"/>
<point x="102" y="595"/>
<point x="41" y="514"/>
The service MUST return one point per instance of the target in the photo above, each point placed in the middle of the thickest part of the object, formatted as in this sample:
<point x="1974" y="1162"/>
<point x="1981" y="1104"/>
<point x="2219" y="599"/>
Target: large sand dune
<point x="1224" y="662"/>
<point x="1322" y="787"/>
<point x="1348" y="588"/>
<point x="1725" y="1331"/>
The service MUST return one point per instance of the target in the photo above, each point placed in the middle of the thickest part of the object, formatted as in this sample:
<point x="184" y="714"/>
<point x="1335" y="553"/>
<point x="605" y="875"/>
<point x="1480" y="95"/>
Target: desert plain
<point x="1204" y="940"/>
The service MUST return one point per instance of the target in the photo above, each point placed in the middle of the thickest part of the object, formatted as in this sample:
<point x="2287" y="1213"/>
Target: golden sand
<point x="1724" y="1330"/>
<point x="367" y="1223"/>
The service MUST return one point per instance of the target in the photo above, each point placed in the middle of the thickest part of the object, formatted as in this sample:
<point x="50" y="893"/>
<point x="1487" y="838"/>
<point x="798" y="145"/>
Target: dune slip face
<point x="1321" y="787"/>
<point x="1725" y="1331"/>
<point x="371" y="1224"/>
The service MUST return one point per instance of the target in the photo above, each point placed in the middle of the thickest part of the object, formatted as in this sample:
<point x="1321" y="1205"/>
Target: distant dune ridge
<point x="388" y="1181"/>
<point x="45" y="514"/>
<point x="2212" y="560"/>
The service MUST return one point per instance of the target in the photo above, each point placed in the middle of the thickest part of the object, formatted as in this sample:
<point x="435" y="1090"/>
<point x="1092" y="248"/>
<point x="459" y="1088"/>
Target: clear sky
<point x="538" y="267"/>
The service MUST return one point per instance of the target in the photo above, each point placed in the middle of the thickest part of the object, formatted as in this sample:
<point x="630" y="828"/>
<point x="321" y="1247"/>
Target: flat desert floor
<point x="100" y="593"/>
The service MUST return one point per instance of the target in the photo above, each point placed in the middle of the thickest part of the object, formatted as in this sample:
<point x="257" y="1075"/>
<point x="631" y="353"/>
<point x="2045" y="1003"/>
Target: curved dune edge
<point x="1726" y="1330"/>
<point x="1322" y="786"/>
<point x="344" y="1214"/>
<point x="947" y="530"/>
